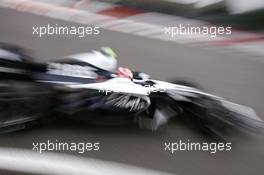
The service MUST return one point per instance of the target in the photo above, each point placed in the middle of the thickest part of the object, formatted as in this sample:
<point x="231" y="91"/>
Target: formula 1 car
<point x="32" y="92"/>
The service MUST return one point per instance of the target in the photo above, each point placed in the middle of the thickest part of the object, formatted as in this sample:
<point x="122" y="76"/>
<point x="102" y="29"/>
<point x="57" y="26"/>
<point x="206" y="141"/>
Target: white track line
<point x="22" y="160"/>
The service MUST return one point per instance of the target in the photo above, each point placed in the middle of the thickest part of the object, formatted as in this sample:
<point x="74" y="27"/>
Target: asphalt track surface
<point x="238" y="77"/>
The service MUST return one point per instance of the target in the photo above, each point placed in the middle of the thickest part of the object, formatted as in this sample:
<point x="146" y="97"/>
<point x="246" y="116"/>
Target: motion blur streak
<point x="53" y="163"/>
<point x="236" y="76"/>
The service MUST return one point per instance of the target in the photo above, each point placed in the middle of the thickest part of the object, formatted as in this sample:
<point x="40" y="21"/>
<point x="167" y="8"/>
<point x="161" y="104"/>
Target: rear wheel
<point x="22" y="102"/>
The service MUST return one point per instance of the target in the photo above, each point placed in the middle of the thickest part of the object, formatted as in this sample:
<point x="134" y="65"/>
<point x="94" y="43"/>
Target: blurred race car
<point x="79" y="87"/>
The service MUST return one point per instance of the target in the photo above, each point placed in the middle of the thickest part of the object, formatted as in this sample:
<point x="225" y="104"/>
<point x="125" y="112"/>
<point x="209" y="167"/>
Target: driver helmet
<point x="103" y="58"/>
<point x="106" y="59"/>
<point x="109" y="52"/>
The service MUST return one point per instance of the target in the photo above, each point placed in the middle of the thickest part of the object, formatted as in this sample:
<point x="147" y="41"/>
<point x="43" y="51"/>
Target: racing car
<point x="32" y="92"/>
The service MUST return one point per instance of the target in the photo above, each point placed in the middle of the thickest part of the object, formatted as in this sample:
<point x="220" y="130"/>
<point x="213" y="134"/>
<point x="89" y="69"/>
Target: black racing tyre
<point x="186" y="82"/>
<point x="22" y="102"/>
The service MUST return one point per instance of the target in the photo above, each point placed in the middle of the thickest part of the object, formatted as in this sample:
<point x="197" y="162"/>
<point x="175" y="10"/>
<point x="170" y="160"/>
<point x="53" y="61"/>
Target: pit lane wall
<point x="169" y="6"/>
<point x="243" y="6"/>
<point x="138" y="22"/>
<point x="195" y="6"/>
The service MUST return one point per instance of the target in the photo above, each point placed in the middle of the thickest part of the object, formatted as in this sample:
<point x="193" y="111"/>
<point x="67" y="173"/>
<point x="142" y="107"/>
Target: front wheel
<point x="186" y="82"/>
